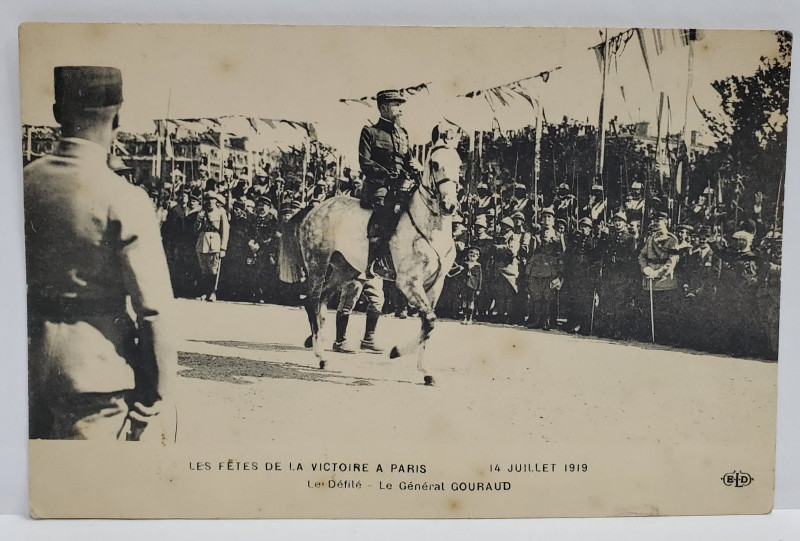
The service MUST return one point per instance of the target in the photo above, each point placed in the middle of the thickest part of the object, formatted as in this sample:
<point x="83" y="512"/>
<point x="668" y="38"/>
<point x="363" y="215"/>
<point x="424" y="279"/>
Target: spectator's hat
<point x="87" y="87"/>
<point x="563" y="186"/>
<point x="548" y="211"/>
<point x="480" y="221"/>
<point x="660" y="216"/>
<point x="585" y="222"/>
<point x="264" y="200"/>
<point x="508" y="222"/>
<point x="709" y="191"/>
<point x="520" y="186"/>
<point x="518" y="216"/>
<point x="472" y="249"/>
<point x="597" y="188"/>
<point x="685" y="227"/>
<point x="385" y="96"/>
<point x="249" y="204"/>
<point x="636" y="185"/>
<point x="381" y="192"/>
<point x="562" y="221"/>
<point x="619" y="215"/>
<point x="743" y="235"/>
<point x="215" y="196"/>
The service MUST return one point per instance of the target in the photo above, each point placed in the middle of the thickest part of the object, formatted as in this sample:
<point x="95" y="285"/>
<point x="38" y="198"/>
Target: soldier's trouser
<point x="209" y="267"/>
<point x="373" y="291"/>
<point x="540" y="300"/>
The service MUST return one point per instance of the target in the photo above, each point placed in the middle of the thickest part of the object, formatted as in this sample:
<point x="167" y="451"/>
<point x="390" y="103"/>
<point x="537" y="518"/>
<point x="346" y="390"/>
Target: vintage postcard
<point x="396" y="272"/>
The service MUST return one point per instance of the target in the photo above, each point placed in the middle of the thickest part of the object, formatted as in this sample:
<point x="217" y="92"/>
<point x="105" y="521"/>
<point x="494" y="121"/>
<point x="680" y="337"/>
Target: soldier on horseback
<point x="385" y="157"/>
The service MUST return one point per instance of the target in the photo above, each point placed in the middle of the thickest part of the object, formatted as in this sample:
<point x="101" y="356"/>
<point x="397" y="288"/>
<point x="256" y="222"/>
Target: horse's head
<point x="445" y="169"/>
<point x="448" y="195"/>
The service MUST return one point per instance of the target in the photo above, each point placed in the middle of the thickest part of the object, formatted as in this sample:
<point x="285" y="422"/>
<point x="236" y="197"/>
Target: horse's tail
<point x="290" y="255"/>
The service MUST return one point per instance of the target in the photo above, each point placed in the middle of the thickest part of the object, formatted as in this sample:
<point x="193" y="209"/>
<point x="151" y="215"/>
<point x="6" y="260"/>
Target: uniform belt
<point x="74" y="308"/>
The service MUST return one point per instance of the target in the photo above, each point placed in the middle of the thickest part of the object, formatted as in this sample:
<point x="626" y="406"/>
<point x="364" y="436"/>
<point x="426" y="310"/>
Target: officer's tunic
<point x="384" y="153"/>
<point x="92" y="241"/>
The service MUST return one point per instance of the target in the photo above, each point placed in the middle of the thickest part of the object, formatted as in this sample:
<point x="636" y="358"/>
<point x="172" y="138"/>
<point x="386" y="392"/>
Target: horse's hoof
<point x="428" y="381"/>
<point x="309" y="342"/>
<point x="322" y="365"/>
<point x="395" y="353"/>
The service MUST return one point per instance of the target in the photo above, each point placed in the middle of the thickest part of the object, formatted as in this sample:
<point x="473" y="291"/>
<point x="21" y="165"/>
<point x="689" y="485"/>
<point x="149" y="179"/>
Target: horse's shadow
<point x="241" y="371"/>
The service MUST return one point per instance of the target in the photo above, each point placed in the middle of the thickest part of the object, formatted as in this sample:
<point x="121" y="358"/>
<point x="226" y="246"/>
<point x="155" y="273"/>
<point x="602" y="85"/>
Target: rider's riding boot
<point x="372" y="256"/>
<point x="368" y="343"/>
<point x="340" y="345"/>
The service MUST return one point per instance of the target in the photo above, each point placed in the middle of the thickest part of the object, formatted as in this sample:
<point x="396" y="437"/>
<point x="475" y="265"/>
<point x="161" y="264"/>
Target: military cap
<point x="597" y="188"/>
<point x="709" y="190"/>
<point x="660" y="216"/>
<point x="480" y="221"/>
<point x="249" y="204"/>
<point x="585" y="221"/>
<point x="619" y="215"/>
<point x="291" y="206"/>
<point x="215" y="196"/>
<point x="381" y="192"/>
<point x="457" y="219"/>
<point x="390" y="95"/>
<point x="472" y="249"/>
<point x="518" y="216"/>
<point x="195" y="198"/>
<point x="87" y="87"/>
<point x="563" y="186"/>
<point x="490" y="212"/>
<point x="483" y="186"/>
<point x="561" y="221"/>
<point x="520" y="186"/>
<point x="507" y="222"/>
<point x="264" y="200"/>
<point x="636" y="185"/>
<point x="548" y="210"/>
<point x="685" y="227"/>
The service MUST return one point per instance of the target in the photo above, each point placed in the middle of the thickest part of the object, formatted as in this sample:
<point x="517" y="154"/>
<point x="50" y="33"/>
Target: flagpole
<point x="601" y="129"/>
<point x="537" y="161"/>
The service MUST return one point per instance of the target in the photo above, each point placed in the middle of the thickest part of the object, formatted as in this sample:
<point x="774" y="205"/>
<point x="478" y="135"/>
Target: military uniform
<point x="212" y="242"/>
<point x="92" y="243"/>
<point x="617" y="279"/>
<point x="657" y="261"/>
<point x="542" y="273"/>
<point x="582" y="272"/>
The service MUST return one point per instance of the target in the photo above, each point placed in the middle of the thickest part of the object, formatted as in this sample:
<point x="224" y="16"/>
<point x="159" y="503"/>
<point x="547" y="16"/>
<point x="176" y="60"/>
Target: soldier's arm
<point x="371" y="168"/>
<point x="147" y="282"/>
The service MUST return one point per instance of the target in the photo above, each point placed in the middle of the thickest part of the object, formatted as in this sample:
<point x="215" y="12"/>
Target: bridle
<point x="434" y="195"/>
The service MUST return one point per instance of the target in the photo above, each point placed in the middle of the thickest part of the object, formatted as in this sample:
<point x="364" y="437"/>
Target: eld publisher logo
<point x="737" y="479"/>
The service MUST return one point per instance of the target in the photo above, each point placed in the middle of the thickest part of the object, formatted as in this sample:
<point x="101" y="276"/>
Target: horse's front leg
<point x="414" y="291"/>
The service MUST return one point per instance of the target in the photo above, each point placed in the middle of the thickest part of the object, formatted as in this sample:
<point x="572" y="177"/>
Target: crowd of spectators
<point x="544" y="262"/>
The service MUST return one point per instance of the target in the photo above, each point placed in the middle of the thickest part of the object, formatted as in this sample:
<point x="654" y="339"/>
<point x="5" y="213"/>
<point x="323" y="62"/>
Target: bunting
<point x="513" y="86"/>
<point x="406" y="92"/>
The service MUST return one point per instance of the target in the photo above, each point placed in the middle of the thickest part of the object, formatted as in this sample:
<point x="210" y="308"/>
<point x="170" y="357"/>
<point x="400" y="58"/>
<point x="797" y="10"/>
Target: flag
<point x="168" y="150"/>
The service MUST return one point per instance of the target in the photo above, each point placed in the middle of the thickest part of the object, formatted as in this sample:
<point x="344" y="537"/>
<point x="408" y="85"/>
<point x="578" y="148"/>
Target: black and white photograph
<point x="402" y="272"/>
